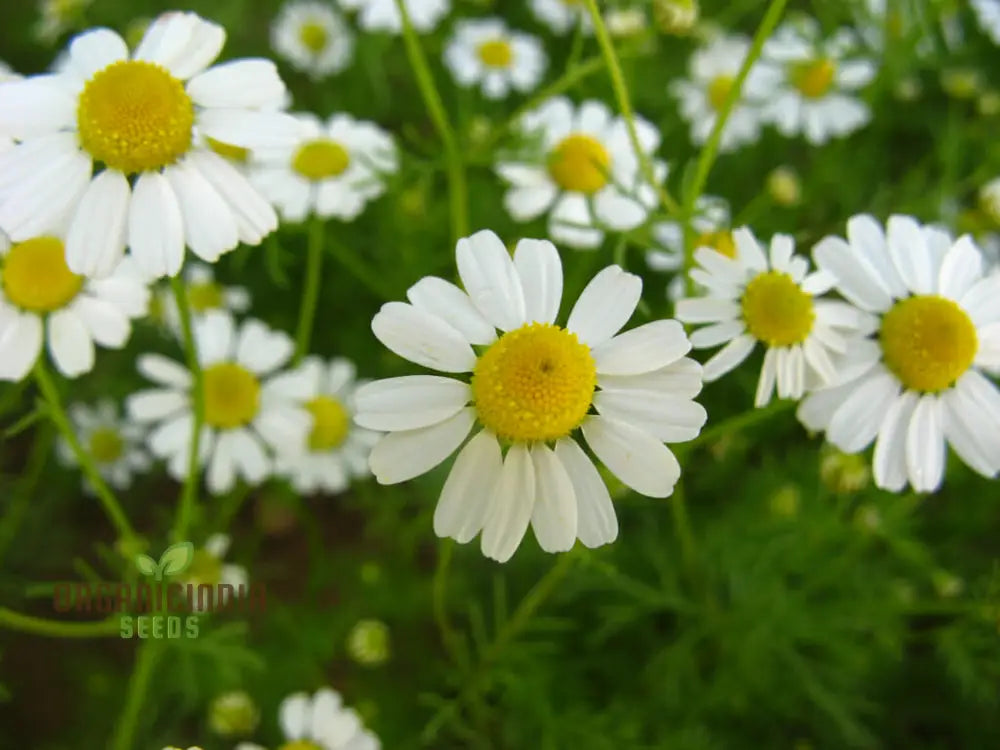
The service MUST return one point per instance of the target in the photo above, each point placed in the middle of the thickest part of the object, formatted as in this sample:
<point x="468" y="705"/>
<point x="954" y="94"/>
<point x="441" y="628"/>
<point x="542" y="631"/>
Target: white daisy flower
<point x="531" y="388"/>
<point x="818" y="78"/>
<point x="42" y="300"/>
<point x="563" y="16"/>
<point x="988" y="14"/>
<point x="769" y="299"/>
<point x="320" y="722"/>
<point x="204" y="293"/>
<point x="713" y="70"/>
<point x="918" y="384"/>
<point x="587" y="176"/>
<point x="114" y="443"/>
<point x="247" y="408"/>
<point x="312" y="37"/>
<point x="337" y="450"/>
<point x="710" y="222"/>
<point x="332" y="169"/>
<point x="383" y="15"/>
<point x="484" y="52"/>
<point x="207" y="567"/>
<point x="145" y="119"/>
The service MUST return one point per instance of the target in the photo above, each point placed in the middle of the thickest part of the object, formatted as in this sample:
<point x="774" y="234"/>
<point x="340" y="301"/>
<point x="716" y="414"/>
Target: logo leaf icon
<point x="145" y="564"/>
<point x="175" y="559"/>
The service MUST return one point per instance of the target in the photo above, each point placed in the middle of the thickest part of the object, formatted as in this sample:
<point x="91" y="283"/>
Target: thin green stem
<point x="682" y="525"/>
<point x="439" y="599"/>
<point x="185" y="508"/>
<point x="135" y="691"/>
<point x="457" y="190"/>
<point x="57" y="413"/>
<point x="711" y="148"/>
<point x="625" y="105"/>
<point x="310" y="295"/>
<point x="55" y="629"/>
<point x="737" y="423"/>
<point x="370" y="279"/>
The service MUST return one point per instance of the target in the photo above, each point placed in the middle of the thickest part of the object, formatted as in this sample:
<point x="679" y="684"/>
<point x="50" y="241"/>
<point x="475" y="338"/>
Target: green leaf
<point x="145" y="564"/>
<point x="176" y="558"/>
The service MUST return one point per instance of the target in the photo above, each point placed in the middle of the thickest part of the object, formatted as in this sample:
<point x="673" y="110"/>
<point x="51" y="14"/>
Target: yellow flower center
<point x="36" y="277"/>
<point x="331" y="423"/>
<point x="300" y="745"/>
<point x="813" y="79"/>
<point x="229" y="151"/>
<point x="205" y="568"/>
<point x="206" y="295"/>
<point x="579" y="163"/>
<point x="496" y="53"/>
<point x="721" y="241"/>
<point x="134" y="116"/>
<point x="718" y="89"/>
<point x="776" y="310"/>
<point x="321" y="159"/>
<point x="928" y="342"/>
<point x="232" y="395"/>
<point x="106" y="445"/>
<point x="535" y="383"/>
<point x="313" y="36"/>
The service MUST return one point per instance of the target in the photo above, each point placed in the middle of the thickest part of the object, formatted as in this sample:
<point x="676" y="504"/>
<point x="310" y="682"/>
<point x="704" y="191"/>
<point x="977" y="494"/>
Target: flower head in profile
<point x="484" y="53"/>
<point x="114" y="443"/>
<point x="916" y="384"/>
<point x="320" y="722"/>
<point x="585" y="174"/>
<point x="248" y="417"/>
<point x="384" y="16"/>
<point x="331" y="169"/>
<point x="711" y="222"/>
<point x="816" y="82"/>
<point x="752" y="298"/>
<point x="143" y="120"/>
<point x="563" y="16"/>
<point x="313" y="37"/>
<point x="535" y="389"/>
<point x="337" y="449"/>
<point x="43" y="301"/>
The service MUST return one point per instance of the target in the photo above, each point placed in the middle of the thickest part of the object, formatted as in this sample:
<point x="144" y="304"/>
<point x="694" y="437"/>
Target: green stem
<point x="57" y="412"/>
<point x="439" y="599"/>
<point x="314" y="267"/>
<point x="737" y="423"/>
<point x="138" y="686"/>
<point x="682" y="525"/>
<point x="625" y="105"/>
<point x="55" y="629"/>
<point x="371" y="280"/>
<point x="711" y="148"/>
<point x="185" y="508"/>
<point x="432" y="99"/>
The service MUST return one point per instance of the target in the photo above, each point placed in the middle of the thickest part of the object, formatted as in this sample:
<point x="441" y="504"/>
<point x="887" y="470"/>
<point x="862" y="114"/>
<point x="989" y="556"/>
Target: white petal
<point x="682" y="378"/>
<point x="422" y="338"/>
<point x="183" y="43"/>
<point x="597" y="523"/>
<point x="255" y="218"/>
<point x="248" y="455"/>
<point x="644" y="349"/>
<point x="250" y="83"/>
<point x="155" y="227"/>
<point x="256" y="130"/>
<point x="215" y="337"/>
<point x="633" y="455"/>
<point x="540" y="269"/>
<point x="220" y="475"/>
<point x="70" y="344"/>
<point x="449" y="303"/>
<point x="717" y="333"/>
<point x="409" y="402"/>
<point x="768" y="376"/>
<point x="855" y="279"/>
<point x="729" y="357"/>
<point x="707" y="310"/>
<point x="925" y="448"/>
<point x="910" y="254"/>
<point x="668" y="418"/>
<point x="512" y="500"/>
<point x="464" y="504"/>
<point x="107" y="324"/>
<point x="403" y="455"/>
<point x="262" y="350"/>
<point x="20" y="344"/>
<point x="34" y="106"/>
<point x="868" y="240"/>
<point x="968" y="429"/>
<point x="491" y="280"/>
<point x="605" y="306"/>
<point x="554" y="515"/>
<point x="889" y="461"/>
<point x="156" y="404"/>
<point x="748" y="249"/>
<point x="94" y="50"/>
<point x="293" y="715"/>
<point x="961" y="268"/>
<point x="857" y="421"/>
<point x="209" y="225"/>
<point x="95" y="241"/>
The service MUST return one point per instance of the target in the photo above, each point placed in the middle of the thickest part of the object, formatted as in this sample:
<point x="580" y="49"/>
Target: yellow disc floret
<point x="718" y="89"/>
<point x="313" y="36"/>
<point x="721" y="241"/>
<point x="813" y="79"/>
<point x="134" y="116"/>
<point x="106" y="445"/>
<point x="36" y="277"/>
<point x="776" y="310"/>
<point x="580" y="163"/>
<point x="321" y="159"/>
<point x="331" y="423"/>
<point x="928" y="342"/>
<point x="496" y="53"/>
<point x="205" y="295"/>
<point x="535" y="383"/>
<point x="232" y="395"/>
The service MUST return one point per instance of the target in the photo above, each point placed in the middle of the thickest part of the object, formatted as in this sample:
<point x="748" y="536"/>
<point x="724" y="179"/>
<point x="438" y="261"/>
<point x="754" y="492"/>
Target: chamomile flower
<point x="312" y="37"/>
<point x="817" y="80"/>
<point x="587" y="175"/>
<point x="320" y="722"/>
<point x="337" y="450"/>
<point x="332" y="170"/>
<point x="145" y="118"/>
<point x="42" y="300"/>
<point x="383" y="15"/>
<point x="203" y="293"/>
<point x="917" y="383"/>
<point x="710" y="222"/>
<point x="754" y="299"/>
<point x="713" y="70"/>
<point x="563" y="16"/>
<point x="484" y="52"/>
<point x="988" y="14"/>
<point x="114" y="443"/>
<point x="531" y="387"/>
<point x="248" y="416"/>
